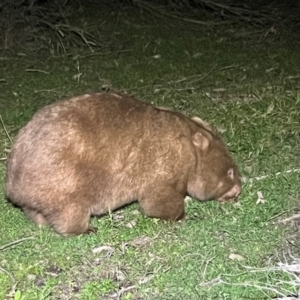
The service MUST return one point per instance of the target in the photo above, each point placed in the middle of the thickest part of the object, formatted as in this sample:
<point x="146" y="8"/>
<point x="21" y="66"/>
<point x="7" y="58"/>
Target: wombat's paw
<point x="91" y="230"/>
<point x="181" y="217"/>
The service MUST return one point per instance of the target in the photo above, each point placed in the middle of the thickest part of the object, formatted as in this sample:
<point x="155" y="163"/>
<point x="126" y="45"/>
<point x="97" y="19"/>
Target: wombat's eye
<point x="230" y="173"/>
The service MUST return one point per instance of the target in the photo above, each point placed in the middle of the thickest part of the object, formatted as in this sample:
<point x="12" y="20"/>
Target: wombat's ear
<point x="204" y="124"/>
<point x="200" y="141"/>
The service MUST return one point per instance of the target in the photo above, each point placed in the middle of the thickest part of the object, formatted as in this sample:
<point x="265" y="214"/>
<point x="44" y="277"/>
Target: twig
<point x="5" y="128"/>
<point x="36" y="70"/>
<point x="244" y="179"/>
<point x="296" y="216"/>
<point x="15" y="243"/>
<point x="288" y="298"/>
<point x="123" y="290"/>
<point x="48" y="91"/>
<point x="13" y="288"/>
<point x="262" y="288"/>
<point x="211" y="283"/>
<point x="9" y="275"/>
<point x="282" y="267"/>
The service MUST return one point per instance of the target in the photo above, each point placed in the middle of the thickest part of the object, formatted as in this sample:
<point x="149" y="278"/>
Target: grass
<point x="249" y="92"/>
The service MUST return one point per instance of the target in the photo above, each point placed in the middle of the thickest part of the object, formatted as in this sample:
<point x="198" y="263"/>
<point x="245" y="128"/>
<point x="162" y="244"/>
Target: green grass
<point x="250" y="92"/>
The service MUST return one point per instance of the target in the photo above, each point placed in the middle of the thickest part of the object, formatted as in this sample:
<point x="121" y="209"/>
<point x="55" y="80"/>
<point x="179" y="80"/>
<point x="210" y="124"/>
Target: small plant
<point x="18" y="295"/>
<point x="297" y="98"/>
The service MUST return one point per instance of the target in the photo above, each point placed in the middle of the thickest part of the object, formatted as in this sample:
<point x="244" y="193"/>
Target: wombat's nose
<point x="232" y="194"/>
<point x="237" y="189"/>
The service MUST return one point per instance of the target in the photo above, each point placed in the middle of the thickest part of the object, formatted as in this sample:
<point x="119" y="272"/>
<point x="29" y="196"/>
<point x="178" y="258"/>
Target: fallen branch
<point x="296" y="216"/>
<point x="15" y="243"/>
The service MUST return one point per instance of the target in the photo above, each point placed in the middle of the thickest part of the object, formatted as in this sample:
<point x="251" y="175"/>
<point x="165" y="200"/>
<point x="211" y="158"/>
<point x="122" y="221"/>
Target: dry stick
<point x="262" y="288"/>
<point x="13" y="288"/>
<point x="79" y="32"/>
<point x="152" y="9"/>
<point x="5" y="128"/>
<point x="14" y="243"/>
<point x="296" y="216"/>
<point x="266" y="176"/>
<point x="242" y="13"/>
<point x="206" y="265"/>
<point x="36" y="70"/>
<point x="202" y="77"/>
<point x="48" y="91"/>
<point x="282" y="267"/>
<point x="131" y="287"/>
<point x="9" y="275"/>
<point x="210" y="283"/>
<point x="291" y="270"/>
<point x="287" y="298"/>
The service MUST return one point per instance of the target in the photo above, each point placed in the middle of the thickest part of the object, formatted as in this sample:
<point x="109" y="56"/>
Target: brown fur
<point x="91" y="154"/>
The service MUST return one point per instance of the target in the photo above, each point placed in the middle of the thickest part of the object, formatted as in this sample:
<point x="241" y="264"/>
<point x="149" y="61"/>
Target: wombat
<point x="91" y="154"/>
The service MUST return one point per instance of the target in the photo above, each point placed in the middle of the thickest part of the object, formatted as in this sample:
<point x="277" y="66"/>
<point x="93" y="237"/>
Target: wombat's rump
<point x="93" y="153"/>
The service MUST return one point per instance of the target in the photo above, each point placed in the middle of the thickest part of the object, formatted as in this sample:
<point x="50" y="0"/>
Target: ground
<point x="248" y="88"/>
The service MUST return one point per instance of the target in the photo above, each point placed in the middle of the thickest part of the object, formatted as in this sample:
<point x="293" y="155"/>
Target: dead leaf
<point x="118" y="216"/>
<point x="131" y="224"/>
<point x="260" y="198"/>
<point x="234" y="256"/>
<point x="100" y="249"/>
<point x="141" y="241"/>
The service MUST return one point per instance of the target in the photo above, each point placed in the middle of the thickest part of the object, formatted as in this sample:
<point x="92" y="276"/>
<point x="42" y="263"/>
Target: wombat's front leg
<point x="163" y="203"/>
<point x="72" y="220"/>
<point x="35" y="216"/>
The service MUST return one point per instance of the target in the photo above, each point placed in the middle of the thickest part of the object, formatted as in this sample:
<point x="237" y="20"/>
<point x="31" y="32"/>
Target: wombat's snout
<point x="232" y="194"/>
